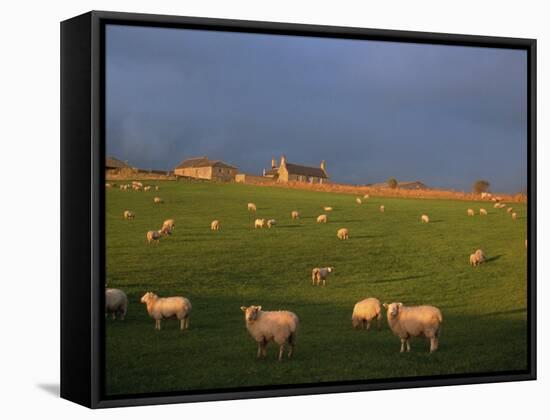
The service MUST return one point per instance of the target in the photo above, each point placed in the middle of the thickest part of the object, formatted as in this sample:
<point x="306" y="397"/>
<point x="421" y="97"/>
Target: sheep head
<point x="148" y="297"/>
<point x="251" y="313"/>
<point x="393" y="309"/>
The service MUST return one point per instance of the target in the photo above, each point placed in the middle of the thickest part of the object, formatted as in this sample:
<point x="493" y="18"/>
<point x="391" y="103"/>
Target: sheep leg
<point x="260" y="350"/>
<point x="434" y="344"/>
<point x="408" y="345"/>
<point x="281" y="351"/>
<point x="324" y="282"/>
<point x="368" y="324"/>
<point x="182" y="324"/>
<point x="290" y="350"/>
<point x="187" y="322"/>
<point x="157" y="324"/>
<point x="379" y="321"/>
<point x="403" y="340"/>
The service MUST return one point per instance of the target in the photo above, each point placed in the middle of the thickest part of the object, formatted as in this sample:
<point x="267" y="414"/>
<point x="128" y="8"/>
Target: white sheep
<point x="327" y="208"/>
<point x="470" y="212"/>
<point x="280" y="327"/>
<point x="366" y="196"/>
<point x="322" y="218"/>
<point x="259" y="223"/>
<point x="358" y="200"/>
<point x="128" y="215"/>
<point x="147" y="188"/>
<point x="414" y="321"/>
<point x="157" y="188"/>
<point x="116" y="303"/>
<point x="154" y="236"/>
<point x="270" y="223"/>
<point x="294" y="215"/>
<point x="215" y="225"/>
<point x="251" y="207"/>
<point x="107" y="185"/>
<point x="342" y="234"/>
<point x="166" y="308"/>
<point x="514" y="216"/>
<point x="424" y="218"/>
<point x="157" y="200"/>
<point x="509" y="210"/>
<point x="496" y="205"/>
<point x="364" y="313"/>
<point x="382" y="209"/>
<point x="168" y="226"/>
<point x="477" y="258"/>
<point x="482" y="212"/>
<point x="320" y="274"/>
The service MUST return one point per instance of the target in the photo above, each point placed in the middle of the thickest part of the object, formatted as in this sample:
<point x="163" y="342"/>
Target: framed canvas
<point x="255" y="209"/>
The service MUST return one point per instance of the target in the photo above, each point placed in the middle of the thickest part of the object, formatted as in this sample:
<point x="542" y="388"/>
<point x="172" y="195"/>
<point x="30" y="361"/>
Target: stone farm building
<point x="287" y="171"/>
<point x="204" y="168"/>
<point x="114" y="166"/>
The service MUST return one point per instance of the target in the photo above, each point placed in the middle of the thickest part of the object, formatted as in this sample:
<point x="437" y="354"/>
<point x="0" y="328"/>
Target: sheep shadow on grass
<point x="494" y="258"/>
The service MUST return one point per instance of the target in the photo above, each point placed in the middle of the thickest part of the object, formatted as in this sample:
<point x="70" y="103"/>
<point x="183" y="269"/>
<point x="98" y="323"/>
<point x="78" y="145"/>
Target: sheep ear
<point x="385" y="305"/>
<point x="259" y="308"/>
<point x="400" y="304"/>
<point x="243" y="308"/>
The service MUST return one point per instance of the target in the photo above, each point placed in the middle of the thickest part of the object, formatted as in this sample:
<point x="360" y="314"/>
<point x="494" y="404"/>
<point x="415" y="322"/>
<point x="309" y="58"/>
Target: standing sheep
<point x="215" y="225"/>
<point x="382" y="209"/>
<point x="252" y="207"/>
<point x="153" y="236"/>
<point x="514" y="216"/>
<point x="366" y="196"/>
<point x="480" y="256"/>
<point x="470" y="212"/>
<point x="415" y="321"/>
<point x="166" y="308"/>
<point x="322" y="218"/>
<point x="358" y="200"/>
<point x="509" y="210"/>
<point x="342" y="234"/>
<point x="364" y="313"/>
<point x="147" y="188"/>
<point x="259" y="223"/>
<point x="424" y="218"/>
<point x="271" y="222"/>
<point x="128" y="215"/>
<point x="318" y="274"/>
<point x="482" y="212"/>
<point x="116" y="303"/>
<point x="157" y="200"/>
<point x="168" y="226"/>
<point x="294" y="215"/>
<point x="280" y="327"/>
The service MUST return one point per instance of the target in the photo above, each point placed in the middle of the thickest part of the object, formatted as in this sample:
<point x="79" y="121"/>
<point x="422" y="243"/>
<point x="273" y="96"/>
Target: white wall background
<point x="29" y="150"/>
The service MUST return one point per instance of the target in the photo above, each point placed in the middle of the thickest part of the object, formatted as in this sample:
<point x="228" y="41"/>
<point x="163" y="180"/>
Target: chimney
<point x="324" y="165"/>
<point x="273" y="163"/>
<point x="283" y="160"/>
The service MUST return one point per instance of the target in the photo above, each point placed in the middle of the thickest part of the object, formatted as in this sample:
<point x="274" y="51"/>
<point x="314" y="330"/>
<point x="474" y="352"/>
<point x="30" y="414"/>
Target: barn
<point x="204" y="168"/>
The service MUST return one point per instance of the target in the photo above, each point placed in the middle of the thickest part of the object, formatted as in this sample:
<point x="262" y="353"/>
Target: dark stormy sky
<point x="445" y="115"/>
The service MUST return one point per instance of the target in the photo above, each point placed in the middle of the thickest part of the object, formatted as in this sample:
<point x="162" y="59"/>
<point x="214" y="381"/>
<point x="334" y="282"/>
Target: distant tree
<point x="392" y="183"/>
<point x="481" y="185"/>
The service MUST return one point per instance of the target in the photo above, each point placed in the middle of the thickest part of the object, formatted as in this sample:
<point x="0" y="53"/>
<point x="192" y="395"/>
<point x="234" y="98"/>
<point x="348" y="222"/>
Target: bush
<point x="481" y="185"/>
<point x="392" y="183"/>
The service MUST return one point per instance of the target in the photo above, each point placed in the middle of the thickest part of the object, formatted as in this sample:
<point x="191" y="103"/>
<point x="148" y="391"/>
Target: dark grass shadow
<point x="495" y="258"/>
<point x="52" y="389"/>
<point x="437" y="221"/>
<point x="351" y="221"/>
<point x="404" y="278"/>
<point x="366" y="236"/>
<point x="509" y="312"/>
<point x="289" y="226"/>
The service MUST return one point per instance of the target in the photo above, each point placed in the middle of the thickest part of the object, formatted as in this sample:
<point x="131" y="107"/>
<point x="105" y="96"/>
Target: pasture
<point x="391" y="256"/>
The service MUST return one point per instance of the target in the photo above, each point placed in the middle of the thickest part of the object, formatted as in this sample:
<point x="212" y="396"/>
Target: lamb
<point x="128" y="215"/>
<point x="358" y="200"/>
<point x="166" y="308"/>
<point x="259" y="223"/>
<point x="168" y="226"/>
<point x="280" y="327"/>
<point x="215" y="225"/>
<point x="116" y="303"/>
<point x="327" y="208"/>
<point x="477" y="258"/>
<point x="322" y="218"/>
<point x="470" y="212"/>
<point x="271" y="223"/>
<point x="414" y="321"/>
<point x="252" y="207"/>
<point x="158" y="200"/>
<point x="154" y="236"/>
<point x="382" y="209"/>
<point x="514" y="216"/>
<point x="295" y="215"/>
<point x="318" y="274"/>
<point x="424" y="218"/>
<point x="364" y="313"/>
<point x="342" y="234"/>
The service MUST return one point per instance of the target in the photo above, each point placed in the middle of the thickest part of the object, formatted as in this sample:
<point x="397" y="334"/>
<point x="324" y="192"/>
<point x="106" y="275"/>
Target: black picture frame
<point x="82" y="204"/>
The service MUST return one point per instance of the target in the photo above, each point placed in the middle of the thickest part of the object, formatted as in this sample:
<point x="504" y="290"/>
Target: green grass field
<point x="391" y="256"/>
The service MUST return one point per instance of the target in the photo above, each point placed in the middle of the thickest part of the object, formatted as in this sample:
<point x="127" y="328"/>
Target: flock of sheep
<point x="281" y="327"/>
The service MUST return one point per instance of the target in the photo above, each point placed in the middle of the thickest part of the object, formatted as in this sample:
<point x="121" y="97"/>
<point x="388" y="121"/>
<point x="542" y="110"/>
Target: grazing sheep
<point x="147" y="188"/>
<point x="271" y="223"/>
<point x="470" y="212"/>
<point x="366" y="196"/>
<point x="116" y="303"/>
<point x="136" y="187"/>
<point x="509" y="210"/>
<point x="482" y="212"/>
<point x="364" y="313"/>
<point x="158" y="200"/>
<point x="215" y="225"/>
<point x="259" y="223"/>
<point x="382" y="209"/>
<point x="318" y="274"/>
<point x="477" y="258"/>
<point x="295" y="215"/>
<point x="501" y="205"/>
<point x="137" y="184"/>
<point x="168" y="226"/>
<point x="342" y="234"/>
<point x="154" y="236"/>
<point x="514" y="216"/>
<point x="123" y="187"/>
<point x="327" y="208"/>
<point x="496" y="205"/>
<point x="252" y="207"/>
<point x="166" y="308"/>
<point x="424" y="218"/>
<point x="415" y="321"/>
<point x="322" y="218"/>
<point x="358" y="200"/>
<point x="280" y="327"/>
<point x="129" y="215"/>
